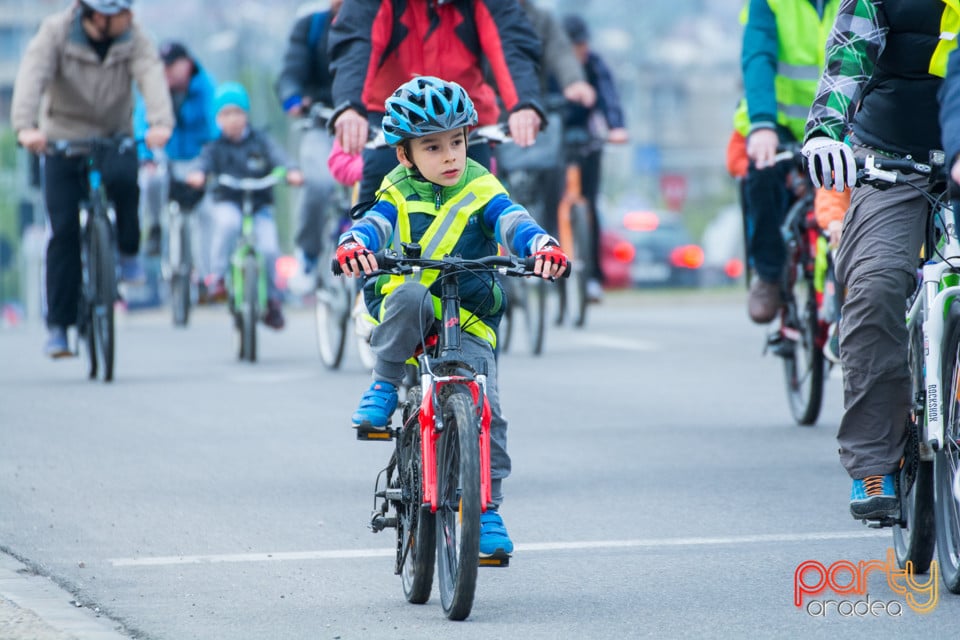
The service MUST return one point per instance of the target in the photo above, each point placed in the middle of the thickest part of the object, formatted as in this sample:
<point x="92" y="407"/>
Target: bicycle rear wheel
<point x="105" y="293"/>
<point x="947" y="461"/>
<point x="914" y="537"/>
<point x="458" y="510"/>
<point x="249" y="309"/>
<point x="416" y="531"/>
<point x="332" y="311"/>
<point x="803" y="364"/>
<point x="576" y="284"/>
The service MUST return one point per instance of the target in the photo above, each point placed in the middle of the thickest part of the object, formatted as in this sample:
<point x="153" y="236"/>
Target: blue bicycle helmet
<point x="426" y="105"/>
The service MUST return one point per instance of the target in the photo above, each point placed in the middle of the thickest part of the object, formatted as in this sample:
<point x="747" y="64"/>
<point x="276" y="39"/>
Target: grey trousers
<point x="877" y="265"/>
<point x="318" y="196"/>
<point x="407" y="309"/>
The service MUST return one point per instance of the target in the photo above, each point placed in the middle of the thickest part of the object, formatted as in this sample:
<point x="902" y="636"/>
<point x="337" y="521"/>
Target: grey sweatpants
<point x="317" y="198"/>
<point x="877" y="264"/>
<point x="406" y="310"/>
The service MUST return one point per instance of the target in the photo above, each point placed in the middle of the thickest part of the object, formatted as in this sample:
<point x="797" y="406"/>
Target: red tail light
<point x="624" y="252"/>
<point x="733" y="268"/>
<point x="689" y="256"/>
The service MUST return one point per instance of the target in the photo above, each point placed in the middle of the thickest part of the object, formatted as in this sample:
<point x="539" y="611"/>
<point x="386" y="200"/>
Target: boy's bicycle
<point x="930" y="469"/>
<point x="802" y="327"/>
<point x="98" y="252"/>
<point x="437" y="482"/>
<point x="247" y="281"/>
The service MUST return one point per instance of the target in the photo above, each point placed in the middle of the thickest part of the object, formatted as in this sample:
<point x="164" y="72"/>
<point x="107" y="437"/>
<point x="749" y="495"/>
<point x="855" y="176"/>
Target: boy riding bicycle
<point x="449" y="205"/>
<point x="243" y="153"/>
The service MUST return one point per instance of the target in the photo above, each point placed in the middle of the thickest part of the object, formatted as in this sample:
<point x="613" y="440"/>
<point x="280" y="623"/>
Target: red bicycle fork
<point x="431" y="426"/>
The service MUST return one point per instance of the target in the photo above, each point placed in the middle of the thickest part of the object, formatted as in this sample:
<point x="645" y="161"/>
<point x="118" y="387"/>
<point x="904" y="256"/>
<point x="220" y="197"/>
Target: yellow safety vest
<point x="800" y="60"/>
<point x="440" y="238"/>
<point x="949" y="28"/>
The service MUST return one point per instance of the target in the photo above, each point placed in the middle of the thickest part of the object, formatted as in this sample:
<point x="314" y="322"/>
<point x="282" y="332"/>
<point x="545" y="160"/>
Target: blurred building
<point x="19" y="20"/>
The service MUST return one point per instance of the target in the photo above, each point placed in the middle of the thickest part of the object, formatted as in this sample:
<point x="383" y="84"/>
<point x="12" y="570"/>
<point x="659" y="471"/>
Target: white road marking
<point x="343" y="554"/>
<point x="614" y="342"/>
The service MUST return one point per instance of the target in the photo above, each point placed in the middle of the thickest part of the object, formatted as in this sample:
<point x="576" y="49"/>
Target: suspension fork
<point x="431" y="427"/>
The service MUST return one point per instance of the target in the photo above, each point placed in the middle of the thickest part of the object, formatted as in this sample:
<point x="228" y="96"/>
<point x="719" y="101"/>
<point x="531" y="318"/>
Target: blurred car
<point x="649" y="248"/>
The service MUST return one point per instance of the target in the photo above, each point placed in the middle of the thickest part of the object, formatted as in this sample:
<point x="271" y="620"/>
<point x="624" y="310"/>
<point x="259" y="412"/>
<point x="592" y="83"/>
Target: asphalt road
<point x="660" y="488"/>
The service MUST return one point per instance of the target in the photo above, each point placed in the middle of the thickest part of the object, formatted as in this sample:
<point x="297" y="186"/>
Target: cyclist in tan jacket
<point x="76" y="81"/>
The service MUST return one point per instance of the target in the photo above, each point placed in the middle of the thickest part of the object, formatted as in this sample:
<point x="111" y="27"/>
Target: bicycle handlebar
<point x="249" y="184"/>
<point x="873" y="169"/>
<point x="392" y="263"/>
<point x="88" y="146"/>
<point x="318" y="117"/>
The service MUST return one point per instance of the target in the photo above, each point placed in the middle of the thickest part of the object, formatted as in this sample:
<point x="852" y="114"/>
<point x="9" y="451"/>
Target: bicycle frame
<point x="941" y="283"/>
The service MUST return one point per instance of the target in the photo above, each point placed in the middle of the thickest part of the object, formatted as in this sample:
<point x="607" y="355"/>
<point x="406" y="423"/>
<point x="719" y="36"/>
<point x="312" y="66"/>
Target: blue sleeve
<point x="208" y="87"/>
<point x="375" y="229"/>
<point x="759" y="63"/>
<point x="950" y="108"/>
<point x="140" y="127"/>
<point x="512" y="225"/>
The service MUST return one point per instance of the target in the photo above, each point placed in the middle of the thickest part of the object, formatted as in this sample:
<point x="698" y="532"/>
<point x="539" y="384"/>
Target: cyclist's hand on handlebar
<point x="157" y="136"/>
<point x="195" y="179"/>
<point x="581" y="92"/>
<point x="355" y="259"/>
<point x="524" y="125"/>
<point x="551" y="262"/>
<point x="295" y="177"/>
<point x="33" y="140"/>
<point x="351" y="130"/>
<point x="762" y="147"/>
<point x="831" y="162"/>
<point x="618" y="136"/>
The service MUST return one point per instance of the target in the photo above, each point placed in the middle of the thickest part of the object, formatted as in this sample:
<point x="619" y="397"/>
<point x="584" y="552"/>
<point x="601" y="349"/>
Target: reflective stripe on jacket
<point x="949" y="29"/>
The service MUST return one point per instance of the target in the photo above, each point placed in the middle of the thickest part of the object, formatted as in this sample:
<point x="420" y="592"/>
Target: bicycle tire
<point x="947" y="460"/>
<point x="249" y="309"/>
<point x="458" y="510"/>
<point x="416" y="530"/>
<point x="180" y="277"/>
<point x="505" y="333"/>
<point x="914" y="536"/>
<point x="535" y="312"/>
<point x="105" y="293"/>
<point x="582" y="263"/>
<point x="804" y="366"/>
<point x="332" y="313"/>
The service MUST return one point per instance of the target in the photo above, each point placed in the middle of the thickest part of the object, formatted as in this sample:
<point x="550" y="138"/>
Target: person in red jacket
<point x="376" y="45"/>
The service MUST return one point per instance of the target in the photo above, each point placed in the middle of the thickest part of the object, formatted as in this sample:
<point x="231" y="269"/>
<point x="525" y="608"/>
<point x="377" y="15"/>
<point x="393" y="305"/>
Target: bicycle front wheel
<point x="947" y="461"/>
<point x="535" y="312"/>
<point x="180" y="272"/>
<point x="332" y="311"/>
<point x="417" y="536"/>
<point x="803" y="364"/>
<point x="914" y="537"/>
<point x="582" y="264"/>
<point x="249" y="309"/>
<point x="458" y="510"/>
<point x="105" y="292"/>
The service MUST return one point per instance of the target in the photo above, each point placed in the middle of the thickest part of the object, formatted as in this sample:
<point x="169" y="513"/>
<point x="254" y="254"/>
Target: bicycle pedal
<point x="882" y="523"/>
<point x="366" y="432"/>
<point x="496" y="560"/>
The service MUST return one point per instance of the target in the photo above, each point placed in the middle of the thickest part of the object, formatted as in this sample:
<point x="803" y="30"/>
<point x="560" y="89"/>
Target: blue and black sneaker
<point x="376" y="406"/>
<point x="494" y="539"/>
<point x="875" y="498"/>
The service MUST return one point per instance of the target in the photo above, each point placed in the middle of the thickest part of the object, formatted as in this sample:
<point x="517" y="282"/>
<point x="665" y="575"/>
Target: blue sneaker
<point x="131" y="270"/>
<point x="376" y="406"/>
<point x="875" y="498"/>
<point x="494" y="539"/>
<point x="56" y="345"/>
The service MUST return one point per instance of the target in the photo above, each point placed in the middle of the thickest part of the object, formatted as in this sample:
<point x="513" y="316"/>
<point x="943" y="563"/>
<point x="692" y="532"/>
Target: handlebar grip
<point x="336" y="268"/>
<point x="530" y="262"/>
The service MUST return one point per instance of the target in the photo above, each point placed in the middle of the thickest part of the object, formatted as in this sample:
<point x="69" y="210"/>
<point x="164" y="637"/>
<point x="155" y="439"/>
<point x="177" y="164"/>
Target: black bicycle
<point x="437" y="482"/>
<point x="98" y="252"/>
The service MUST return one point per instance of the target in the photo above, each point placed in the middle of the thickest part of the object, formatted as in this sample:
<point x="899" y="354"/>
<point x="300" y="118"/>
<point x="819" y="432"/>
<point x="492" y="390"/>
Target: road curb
<point x="34" y="607"/>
